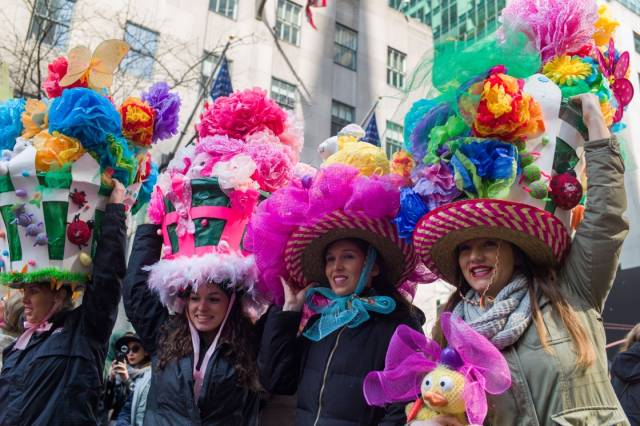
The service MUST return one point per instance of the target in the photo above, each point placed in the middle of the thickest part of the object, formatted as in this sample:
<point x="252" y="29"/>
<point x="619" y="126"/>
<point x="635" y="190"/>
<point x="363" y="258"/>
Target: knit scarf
<point x="506" y="320"/>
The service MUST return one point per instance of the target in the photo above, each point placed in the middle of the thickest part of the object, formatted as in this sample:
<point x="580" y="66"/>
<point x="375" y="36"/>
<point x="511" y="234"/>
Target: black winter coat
<point x="171" y="400"/>
<point x="625" y="375"/>
<point x="328" y="374"/>
<point x="57" y="378"/>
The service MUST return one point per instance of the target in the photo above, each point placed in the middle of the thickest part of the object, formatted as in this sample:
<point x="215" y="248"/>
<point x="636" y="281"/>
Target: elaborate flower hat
<point x="59" y="157"/>
<point x="247" y="147"/>
<point x="499" y="152"/>
<point x="291" y="230"/>
<point x="411" y="356"/>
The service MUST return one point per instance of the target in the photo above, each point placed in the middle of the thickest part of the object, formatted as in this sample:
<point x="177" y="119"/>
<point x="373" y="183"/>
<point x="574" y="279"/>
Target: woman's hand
<point x="118" y="194"/>
<point x="293" y="299"/>
<point x="120" y="368"/>
<point x="592" y="115"/>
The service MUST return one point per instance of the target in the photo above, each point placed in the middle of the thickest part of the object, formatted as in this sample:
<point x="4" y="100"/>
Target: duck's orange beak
<point x="435" y="399"/>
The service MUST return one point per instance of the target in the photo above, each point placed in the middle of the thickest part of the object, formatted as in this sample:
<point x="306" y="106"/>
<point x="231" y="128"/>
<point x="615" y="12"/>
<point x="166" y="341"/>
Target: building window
<point x="226" y="8"/>
<point x="50" y="21"/>
<point x="341" y="115"/>
<point x="142" y="49"/>
<point x="346" y="47"/>
<point x="396" y="68"/>
<point x="283" y="93"/>
<point x="636" y="41"/>
<point x="393" y="138"/>
<point x="288" y="21"/>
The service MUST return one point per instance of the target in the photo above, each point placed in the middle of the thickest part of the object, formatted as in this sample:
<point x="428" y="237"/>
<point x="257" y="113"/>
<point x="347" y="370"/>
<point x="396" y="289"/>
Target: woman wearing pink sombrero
<point x="505" y="241"/>
<point x="326" y="231"/>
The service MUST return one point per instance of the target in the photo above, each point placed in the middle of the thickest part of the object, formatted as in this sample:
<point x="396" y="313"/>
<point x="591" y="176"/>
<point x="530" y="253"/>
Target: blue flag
<point x="371" y="133"/>
<point x="222" y="84"/>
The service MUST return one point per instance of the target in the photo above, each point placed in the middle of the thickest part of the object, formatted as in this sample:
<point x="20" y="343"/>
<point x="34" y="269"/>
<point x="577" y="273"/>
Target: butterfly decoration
<point x="615" y="70"/>
<point x="96" y="69"/>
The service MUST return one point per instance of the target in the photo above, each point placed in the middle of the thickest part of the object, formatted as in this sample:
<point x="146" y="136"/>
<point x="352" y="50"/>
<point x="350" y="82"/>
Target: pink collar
<point x="31" y="328"/>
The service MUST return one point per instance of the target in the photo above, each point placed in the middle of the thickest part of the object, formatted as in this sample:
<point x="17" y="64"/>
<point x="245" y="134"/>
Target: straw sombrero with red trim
<point x="540" y="234"/>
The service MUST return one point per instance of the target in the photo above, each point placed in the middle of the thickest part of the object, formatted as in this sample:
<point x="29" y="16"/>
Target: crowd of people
<point x="256" y="277"/>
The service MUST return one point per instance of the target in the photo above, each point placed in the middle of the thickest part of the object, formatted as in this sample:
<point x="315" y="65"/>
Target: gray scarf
<point x="506" y="320"/>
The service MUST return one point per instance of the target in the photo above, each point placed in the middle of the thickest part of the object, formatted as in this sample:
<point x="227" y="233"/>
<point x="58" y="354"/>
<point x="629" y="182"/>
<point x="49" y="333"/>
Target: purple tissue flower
<point x="167" y="107"/>
<point x="436" y="185"/>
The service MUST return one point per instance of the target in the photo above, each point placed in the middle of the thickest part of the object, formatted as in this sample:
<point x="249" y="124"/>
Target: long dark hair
<point x="541" y="282"/>
<point x="238" y="340"/>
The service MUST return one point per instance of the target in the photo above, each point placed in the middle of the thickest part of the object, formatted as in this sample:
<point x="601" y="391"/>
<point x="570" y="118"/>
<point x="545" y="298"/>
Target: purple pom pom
<point x="451" y="358"/>
<point x="167" y="107"/>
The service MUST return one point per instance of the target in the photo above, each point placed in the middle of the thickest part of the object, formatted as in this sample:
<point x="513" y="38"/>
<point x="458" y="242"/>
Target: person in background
<point x="11" y="310"/>
<point x="129" y="380"/>
<point x="625" y="375"/>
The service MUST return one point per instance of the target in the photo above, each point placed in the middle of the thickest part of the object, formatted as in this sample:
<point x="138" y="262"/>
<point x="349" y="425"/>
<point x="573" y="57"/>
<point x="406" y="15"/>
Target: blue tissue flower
<point x="11" y="122"/>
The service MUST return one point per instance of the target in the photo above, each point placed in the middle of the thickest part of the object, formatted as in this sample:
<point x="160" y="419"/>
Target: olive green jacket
<point x="548" y="389"/>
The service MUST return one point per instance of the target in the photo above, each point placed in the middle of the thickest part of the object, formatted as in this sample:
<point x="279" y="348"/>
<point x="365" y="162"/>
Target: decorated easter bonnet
<point x="247" y="147"/>
<point x="501" y="151"/>
<point x="59" y="157"/>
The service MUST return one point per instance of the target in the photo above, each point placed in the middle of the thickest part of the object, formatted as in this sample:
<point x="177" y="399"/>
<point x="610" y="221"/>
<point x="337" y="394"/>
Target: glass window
<point x="396" y="68"/>
<point x="226" y="8"/>
<point x="636" y="41"/>
<point x="393" y="138"/>
<point x="283" y="93"/>
<point x="341" y="115"/>
<point x="288" y="22"/>
<point x="50" y="21"/>
<point x="346" y="47"/>
<point x="142" y="49"/>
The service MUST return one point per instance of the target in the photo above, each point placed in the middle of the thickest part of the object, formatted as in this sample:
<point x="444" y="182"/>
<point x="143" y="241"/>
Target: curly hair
<point x="238" y="344"/>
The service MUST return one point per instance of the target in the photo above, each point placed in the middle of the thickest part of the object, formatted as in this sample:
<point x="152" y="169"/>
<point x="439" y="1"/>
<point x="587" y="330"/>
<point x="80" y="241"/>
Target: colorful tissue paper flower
<point x="506" y="112"/>
<point x="244" y="202"/>
<point x="55" y="150"/>
<point x="605" y="26"/>
<point x="156" y="211"/>
<point x="485" y="169"/>
<point x="567" y="70"/>
<point x="236" y="173"/>
<point x="137" y="121"/>
<point x="86" y="115"/>
<point x="167" y="110"/>
<point x="293" y="136"/>
<point x="274" y="167"/>
<point x="34" y="118"/>
<point x="11" y="122"/>
<point x="267" y="137"/>
<point x="615" y="69"/>
<point x="56" y="70"/>
<point x="436" y="185"/>
<point x="402" y="164"/>
<point x="241" y="114"/>
<point x="412" y="208"/>
<point x="119" y="160"/>
<point x="556" y="27"/>
<point x="148" y="183"/>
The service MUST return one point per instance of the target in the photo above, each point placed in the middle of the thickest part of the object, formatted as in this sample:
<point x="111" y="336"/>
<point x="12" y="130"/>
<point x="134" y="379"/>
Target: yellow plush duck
<point x="452" y="381"/>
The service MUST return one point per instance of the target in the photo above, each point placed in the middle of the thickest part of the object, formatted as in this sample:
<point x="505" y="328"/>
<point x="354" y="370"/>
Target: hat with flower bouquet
<point x="291" y="231"/>
<point x="500" y="146"/>
<point x="247" y="147"/>
<point x="59" y="158"/>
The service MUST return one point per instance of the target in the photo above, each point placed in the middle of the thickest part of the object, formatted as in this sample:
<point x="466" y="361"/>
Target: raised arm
<point x="593" y="260"/>
<point x="101" y="298"/>
<point x="142" y="306"/>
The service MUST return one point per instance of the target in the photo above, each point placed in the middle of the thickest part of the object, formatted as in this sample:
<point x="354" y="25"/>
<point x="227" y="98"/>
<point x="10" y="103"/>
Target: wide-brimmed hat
<point x="538" y="233"/>
<point x="305" y="251"/>
<point x="125" y="339"/>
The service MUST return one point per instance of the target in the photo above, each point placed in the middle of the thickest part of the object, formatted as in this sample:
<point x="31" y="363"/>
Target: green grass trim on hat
<point x="43" y="275"/>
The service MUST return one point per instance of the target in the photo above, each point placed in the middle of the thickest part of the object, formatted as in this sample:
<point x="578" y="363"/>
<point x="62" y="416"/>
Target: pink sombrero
<point x="305" y="249"/>
<point x="538" y="233"/>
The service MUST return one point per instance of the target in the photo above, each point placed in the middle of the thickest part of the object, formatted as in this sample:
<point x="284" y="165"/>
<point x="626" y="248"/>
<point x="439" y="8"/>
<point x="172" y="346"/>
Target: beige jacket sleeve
<point x="592" y="262"/>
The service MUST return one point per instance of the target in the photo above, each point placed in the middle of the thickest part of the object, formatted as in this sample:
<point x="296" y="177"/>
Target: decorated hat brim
<point x="539" y="234"/>
<point x="52" y="275"/>
<point x="171" y="277"/>
<point x="305" y="251"/>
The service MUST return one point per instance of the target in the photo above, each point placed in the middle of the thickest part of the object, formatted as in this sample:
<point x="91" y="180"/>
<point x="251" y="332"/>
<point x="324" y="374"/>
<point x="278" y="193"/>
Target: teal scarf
<point x="351" y="310"/>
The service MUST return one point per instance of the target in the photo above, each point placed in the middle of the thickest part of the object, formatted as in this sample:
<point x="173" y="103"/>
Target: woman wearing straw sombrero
<point x="505" y="242"/>
<point x="324" y="230"/>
